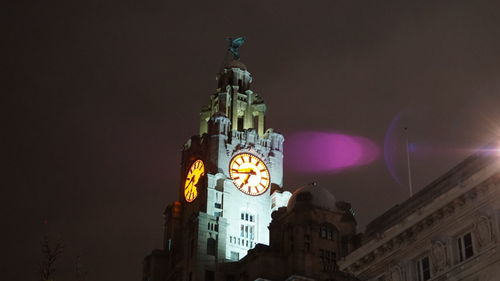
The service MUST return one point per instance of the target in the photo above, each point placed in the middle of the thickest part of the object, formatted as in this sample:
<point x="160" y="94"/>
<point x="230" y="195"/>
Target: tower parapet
<point x="233" y="97"/>
<point x="219" y="124"/>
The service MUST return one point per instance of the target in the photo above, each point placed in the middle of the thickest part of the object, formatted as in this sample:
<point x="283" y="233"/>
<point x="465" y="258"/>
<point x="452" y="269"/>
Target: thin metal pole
<point x="408" y="162"/>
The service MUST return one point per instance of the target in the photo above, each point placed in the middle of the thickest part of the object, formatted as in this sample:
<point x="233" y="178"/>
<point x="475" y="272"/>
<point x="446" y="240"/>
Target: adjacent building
<point x="447" y="231"/>
<point x="234" y="221"/>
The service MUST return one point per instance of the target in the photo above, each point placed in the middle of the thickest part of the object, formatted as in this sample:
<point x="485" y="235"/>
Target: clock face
<point x="249" y="174"/>
<point x="195" y="172"/>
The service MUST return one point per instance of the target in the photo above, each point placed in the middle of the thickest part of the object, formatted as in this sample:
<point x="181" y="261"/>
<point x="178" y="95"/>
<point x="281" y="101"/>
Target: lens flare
<point x="389" y="148"/>
<point x="328" y="152"/>
<point x="491" y="149"/>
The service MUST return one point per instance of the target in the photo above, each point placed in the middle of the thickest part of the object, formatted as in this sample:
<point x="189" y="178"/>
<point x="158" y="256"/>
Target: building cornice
<point x="429" y="215"/>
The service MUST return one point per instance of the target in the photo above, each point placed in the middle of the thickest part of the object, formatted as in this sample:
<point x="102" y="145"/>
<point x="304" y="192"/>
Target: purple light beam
<point x="328" y="152"/>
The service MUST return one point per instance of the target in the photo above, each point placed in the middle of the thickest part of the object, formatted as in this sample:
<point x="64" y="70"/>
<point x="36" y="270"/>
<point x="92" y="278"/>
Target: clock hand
<point x="245" y="181"/>
<point x="251" y="172"/>
<point x="245" y="171"/>
<point x="190" y="181"/>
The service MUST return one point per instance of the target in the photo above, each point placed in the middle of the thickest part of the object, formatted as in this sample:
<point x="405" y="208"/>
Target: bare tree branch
<point x="49" y="258"/>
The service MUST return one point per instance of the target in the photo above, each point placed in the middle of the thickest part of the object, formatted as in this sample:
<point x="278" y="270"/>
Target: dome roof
<point x="314" y="195"/>
<point x="235" y="64"/>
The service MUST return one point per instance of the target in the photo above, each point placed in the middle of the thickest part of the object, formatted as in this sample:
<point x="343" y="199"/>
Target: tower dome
<point x="232" y="63"/>
<point x="313" y="195"/>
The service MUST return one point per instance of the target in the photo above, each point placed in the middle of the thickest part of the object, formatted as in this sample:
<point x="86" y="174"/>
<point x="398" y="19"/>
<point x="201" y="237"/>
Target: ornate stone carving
<point x="438" y="215"/>
<point x="448" y="210"/>
<point x="439" y="256"/>
<point x="395" y="274"/>
<point x="429" y="221"/>
<point x="459" y="202"/>
<point x="483" y="231"/>
<point x="471" y="195"/>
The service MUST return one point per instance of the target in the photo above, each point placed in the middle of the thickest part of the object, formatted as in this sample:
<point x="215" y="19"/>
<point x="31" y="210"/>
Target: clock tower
<point x="231" y="179"/>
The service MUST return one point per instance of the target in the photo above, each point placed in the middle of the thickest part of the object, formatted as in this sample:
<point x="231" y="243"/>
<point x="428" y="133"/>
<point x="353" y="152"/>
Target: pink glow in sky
<point x="328" y="152"/>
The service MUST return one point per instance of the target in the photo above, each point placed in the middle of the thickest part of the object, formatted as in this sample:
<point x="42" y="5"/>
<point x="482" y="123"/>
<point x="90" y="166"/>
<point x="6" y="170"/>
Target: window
<point x="423" y="269"/>
<point x="247" y="217"/>
<point x="465" y="247"/>
<point x="213" y="227"/>
<point x="247" y="229"/>
<point x="211" y="246"/>
<point x="322" y="232"/>
<point x="256" y="122"/>
<point x="240" y="123"/>
<point x="327" y="231"/>
<point x="235" y="256"/>
<point x="328" y="259"/>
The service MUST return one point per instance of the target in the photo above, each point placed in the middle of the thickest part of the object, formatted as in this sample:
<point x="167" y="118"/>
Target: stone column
<point x="260" y="120"/>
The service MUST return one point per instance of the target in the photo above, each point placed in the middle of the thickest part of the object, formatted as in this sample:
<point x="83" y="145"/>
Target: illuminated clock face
<point x="196" y="171"/>
<point x="249" y="174"/>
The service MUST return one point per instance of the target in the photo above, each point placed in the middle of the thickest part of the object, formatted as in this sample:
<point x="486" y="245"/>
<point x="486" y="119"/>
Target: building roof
<point x="449" y="180"/>
<point x="314" y="195"/>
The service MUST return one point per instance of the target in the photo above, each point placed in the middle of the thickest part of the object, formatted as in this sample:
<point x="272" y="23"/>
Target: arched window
<point x="211" y="247"/>
<point x="328" y="231"/>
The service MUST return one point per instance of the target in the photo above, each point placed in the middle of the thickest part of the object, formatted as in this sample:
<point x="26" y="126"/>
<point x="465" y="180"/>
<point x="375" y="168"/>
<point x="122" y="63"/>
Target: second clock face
<point x="195" y="172"/>
<point x="249" y="174"/>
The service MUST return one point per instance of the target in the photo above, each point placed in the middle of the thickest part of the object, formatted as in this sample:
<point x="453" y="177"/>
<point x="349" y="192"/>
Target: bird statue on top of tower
<point x="234" y="46"/>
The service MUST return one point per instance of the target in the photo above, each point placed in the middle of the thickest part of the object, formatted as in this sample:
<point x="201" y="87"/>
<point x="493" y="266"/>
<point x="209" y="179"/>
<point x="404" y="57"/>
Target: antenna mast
<point x="408" y="162"/>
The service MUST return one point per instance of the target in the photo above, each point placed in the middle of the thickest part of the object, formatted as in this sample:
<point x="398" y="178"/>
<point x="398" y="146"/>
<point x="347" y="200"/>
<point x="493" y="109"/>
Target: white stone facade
<point x="222" y="223"/>
<point x="448" y="231"/>
<point x="247" y="217"/>
<point x="240" y="209"/>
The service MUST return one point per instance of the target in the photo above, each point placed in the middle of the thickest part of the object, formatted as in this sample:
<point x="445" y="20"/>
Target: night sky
<point x="99" y="96"/>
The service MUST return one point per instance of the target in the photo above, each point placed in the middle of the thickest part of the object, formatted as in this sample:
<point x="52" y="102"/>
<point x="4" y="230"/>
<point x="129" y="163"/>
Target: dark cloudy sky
<point x="99" y="97"/>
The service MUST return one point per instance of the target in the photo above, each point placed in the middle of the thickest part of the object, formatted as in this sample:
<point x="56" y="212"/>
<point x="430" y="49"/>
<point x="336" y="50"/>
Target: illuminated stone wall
<point x="222" y="223"/>
<point x="447" y="231"/>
